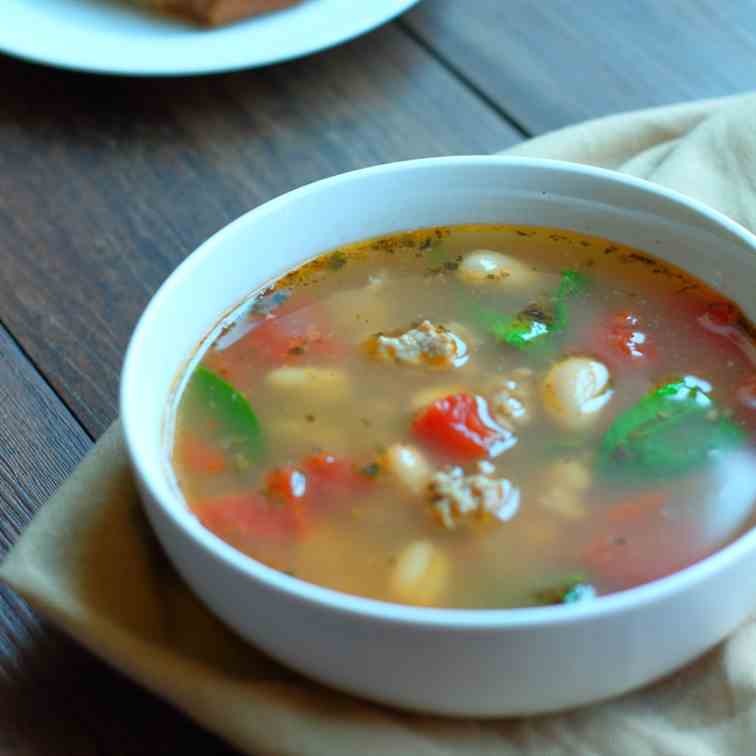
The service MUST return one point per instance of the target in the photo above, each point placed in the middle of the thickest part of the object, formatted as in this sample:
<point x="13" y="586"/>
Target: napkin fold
<point x="89" y="562"/>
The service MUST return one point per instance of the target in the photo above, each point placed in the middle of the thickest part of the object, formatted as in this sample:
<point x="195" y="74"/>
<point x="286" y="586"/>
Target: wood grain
<point x="553" y="63"/>
<point x="55" y="698"/>
<point x="40" y="441"/>
<point x="107" y="183"/>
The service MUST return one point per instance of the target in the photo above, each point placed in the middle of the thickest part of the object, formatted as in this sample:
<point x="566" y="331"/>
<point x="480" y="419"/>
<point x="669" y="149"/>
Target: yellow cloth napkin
<point x="89" y="562"/>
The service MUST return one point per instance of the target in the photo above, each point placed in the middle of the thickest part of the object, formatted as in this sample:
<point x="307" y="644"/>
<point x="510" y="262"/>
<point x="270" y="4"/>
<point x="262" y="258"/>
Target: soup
<point x="474" y="417"/>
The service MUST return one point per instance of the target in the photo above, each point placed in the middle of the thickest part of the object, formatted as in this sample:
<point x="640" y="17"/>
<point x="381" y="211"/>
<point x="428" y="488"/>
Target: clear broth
<point x="355" y="543"/>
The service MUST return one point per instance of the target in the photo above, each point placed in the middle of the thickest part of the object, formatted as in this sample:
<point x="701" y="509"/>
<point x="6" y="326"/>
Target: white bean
<point x="487" y="265"/>
<point x="409" y="467"/>
<point x="566" y="482"/>
<point x="316" y="383"/>
<point x="511" y="398"/>
<point x="575" y="391"/>
<point x="420" y="575"/>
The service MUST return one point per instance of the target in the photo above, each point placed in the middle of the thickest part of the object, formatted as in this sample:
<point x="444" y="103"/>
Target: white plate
<point x="110" y="36"/>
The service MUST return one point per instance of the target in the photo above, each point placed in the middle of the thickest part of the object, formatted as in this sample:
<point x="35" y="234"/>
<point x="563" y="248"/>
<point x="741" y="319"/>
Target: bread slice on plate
<point x="216" y="12"/>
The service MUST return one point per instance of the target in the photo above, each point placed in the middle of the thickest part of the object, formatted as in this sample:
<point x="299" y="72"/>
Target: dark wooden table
<point x="107" y="183"/>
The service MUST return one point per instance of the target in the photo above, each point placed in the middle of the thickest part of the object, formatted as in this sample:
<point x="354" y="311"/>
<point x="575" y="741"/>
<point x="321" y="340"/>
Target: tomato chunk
<point x="333" y="474"/>
<point x="635" y="543"/>
<point x="284" y="338"/>
<point x="627" y="336"/>
<point x="287" y="338"/>
<point x="461" y="427"/>
<point x="746" y="393"/>
<point x="721" y="313"/>
<point x="288" y="484"/>
<point x="247" y="515"/>
<point x="623" y="340"/>
<point x="745" y="396"/>
<point x="716" y="323"/>
<point x="721" y="320"/>
<point x="319" y="482"/>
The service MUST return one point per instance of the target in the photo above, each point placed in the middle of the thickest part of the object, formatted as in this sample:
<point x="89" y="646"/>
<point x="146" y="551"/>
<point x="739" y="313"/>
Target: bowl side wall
<point x="502" y="667"/>
<point x="464" y="671"/>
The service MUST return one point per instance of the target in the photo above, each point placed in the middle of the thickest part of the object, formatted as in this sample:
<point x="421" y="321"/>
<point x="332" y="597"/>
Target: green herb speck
<point x="371" y="470"/>
<point x="337" y="261"/>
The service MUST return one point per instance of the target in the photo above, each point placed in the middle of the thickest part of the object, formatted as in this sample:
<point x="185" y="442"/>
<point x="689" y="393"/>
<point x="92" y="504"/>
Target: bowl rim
<point x="338" y="602"/>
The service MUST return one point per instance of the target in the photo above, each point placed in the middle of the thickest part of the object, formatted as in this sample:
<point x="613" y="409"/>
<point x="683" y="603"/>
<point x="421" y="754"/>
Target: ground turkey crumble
<point x="455" y="496"/>
<point x="512" y="398"/>
<point x="424" y="344"/>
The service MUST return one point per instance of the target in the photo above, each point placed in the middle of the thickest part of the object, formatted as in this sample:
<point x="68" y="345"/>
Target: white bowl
<point x="445" y="661"/>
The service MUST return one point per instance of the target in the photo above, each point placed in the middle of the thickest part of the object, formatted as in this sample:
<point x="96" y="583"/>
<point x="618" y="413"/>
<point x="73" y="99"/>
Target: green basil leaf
<point x="671" y="430"/>
<point x="535" y="323"/>
<point x="570" y="590"/>
<point x="220" y="404"/>
<point x="571" y="284"/>
<point x="520" y="331"/>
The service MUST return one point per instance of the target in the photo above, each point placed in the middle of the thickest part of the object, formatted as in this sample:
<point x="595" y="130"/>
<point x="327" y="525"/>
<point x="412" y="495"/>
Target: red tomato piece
<point x="288" y="484"/>
<point x="304" y="334"/>
<point x="721" y="320"/>
<point x="745" y="396"/>
<point x="721" y="313"/>
<point x="290" y="487"/>
<point x="635" y="543"/>
<point x="715" y="322"/>
<point x="247" y="515"/>
<point x="329" y="470"/>
<point x="294" y="336"/>
<point x="623" y="339"/>
<point x="460" y="426"/>
<point x="332" y="480"/>
<point x="318" y="483"/>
